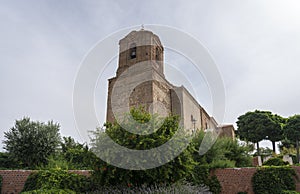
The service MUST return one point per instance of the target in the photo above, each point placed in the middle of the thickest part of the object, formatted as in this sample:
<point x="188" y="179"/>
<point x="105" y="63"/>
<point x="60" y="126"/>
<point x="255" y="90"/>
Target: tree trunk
<point x="297" y="148"/>
<point x="258" y="152"/>
<point x="274" y="149"/>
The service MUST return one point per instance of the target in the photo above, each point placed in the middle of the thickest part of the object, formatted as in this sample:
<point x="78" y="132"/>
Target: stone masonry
<point x="140" y="81"/>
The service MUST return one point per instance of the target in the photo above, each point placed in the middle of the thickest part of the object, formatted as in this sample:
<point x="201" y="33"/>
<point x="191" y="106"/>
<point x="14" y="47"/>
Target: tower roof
<point x="143" y="37"/>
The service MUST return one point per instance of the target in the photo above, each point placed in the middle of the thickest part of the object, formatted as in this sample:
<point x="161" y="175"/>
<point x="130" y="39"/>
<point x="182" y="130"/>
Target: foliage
<point x="32" y="142"/>
<point x="287" y="144"/>
<point x="177" y="169"/>
<point x="57" y="179"/>
<point x="274" y="131"/>
<point x="50" y="191"/>
<point x="292" y="128"/>
<point x="292" y="131"/>
<point x="290" y="192"/>
<point x="224" y="153"/>
<point x="214" y="185"/>
<point x="78" y="155"/>
<point x="201" y="176"/>
<point x="273" y="180"/>
<point x="72" y="156"/>
<point x="154" y="189"/>
<point x="7" y="162"/>
<point x="258" y="125"/>
<point x="275" y="162"/>
<point x="264" y="152"/>
<point x="188" y="165"/>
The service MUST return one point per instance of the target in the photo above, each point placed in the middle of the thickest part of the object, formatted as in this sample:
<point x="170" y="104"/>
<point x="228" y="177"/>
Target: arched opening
<point x="132" y="51"/>
<point x="157" y="54"/>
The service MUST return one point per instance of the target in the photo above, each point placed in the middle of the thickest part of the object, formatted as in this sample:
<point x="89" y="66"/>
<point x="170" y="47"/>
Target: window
<point x="157" y="54"/>
<point x="132" y="51"/>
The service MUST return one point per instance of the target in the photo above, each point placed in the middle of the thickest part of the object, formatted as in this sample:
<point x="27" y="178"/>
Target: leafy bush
<point x="77" y="155"/>
<point x="290" y="192"/>
<point x="273" y="180"/>
<point x="214" y="185"/>
<point x="224" y="153"/>
<point x="275" y="162"/>
<point x="154" y="189"/>
<point x="201" y="176"/>
<point x="8" y="162"/>
<point x="50" y="191"/>
<point x="57" y="179"/>
<point x="177" y="169"/>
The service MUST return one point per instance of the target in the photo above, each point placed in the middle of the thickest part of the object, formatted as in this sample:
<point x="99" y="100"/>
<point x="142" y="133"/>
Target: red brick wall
<point x="234" y="180"/>
<point x="13" y="180"/>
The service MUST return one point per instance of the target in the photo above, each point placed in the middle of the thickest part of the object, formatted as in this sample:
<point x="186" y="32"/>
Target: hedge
<point x="273" y="180"/>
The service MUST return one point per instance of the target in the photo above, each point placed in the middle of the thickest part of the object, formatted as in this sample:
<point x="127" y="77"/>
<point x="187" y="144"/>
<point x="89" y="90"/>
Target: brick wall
<point x="234" y="180"/>
<point x="13" y="180"/>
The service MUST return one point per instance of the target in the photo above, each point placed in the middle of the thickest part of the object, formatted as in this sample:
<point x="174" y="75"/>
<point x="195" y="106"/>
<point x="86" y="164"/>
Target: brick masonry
<point x="13" y="180"/>
<point x="232" y="180"/>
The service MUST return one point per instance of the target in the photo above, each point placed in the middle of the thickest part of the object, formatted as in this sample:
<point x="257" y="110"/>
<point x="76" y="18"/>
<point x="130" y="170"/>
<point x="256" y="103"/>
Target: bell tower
<point x="141" y="55"/>
<point x="140" y="46"/>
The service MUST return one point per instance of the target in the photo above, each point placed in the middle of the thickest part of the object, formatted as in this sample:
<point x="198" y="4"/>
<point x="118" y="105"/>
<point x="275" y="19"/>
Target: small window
<point x="132" y="51"/>
<point x="157" y="54"/>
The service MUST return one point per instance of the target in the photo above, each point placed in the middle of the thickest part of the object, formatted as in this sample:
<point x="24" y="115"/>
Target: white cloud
<point x="256" y="45"/>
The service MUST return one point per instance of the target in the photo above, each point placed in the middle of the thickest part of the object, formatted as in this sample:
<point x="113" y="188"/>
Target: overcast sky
<point x="255" y="44"/>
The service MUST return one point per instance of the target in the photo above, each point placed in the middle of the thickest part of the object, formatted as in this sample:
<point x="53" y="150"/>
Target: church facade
<point x="140" y="81"/>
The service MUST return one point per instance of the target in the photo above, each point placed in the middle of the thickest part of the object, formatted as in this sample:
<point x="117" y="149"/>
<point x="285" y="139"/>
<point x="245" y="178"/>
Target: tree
<point x="77" y="155"/>
<point x="107" y="174"/>
<point x="274" y="128"/>
<point x="252" y="127"/>
<point x="292" y="131"/>
<point x="32" y="142"/>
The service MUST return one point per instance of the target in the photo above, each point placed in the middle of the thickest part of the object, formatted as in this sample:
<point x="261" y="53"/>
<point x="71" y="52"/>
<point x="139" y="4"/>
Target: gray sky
<point x="256" y="45"/>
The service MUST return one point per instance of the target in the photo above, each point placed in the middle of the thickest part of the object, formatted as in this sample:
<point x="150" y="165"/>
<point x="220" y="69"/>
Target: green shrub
<point x="273" y="180"/>
<point x="275" y="162"/>
<point x="50" y="191"/>
<point x="214" y="185"/>
<point x="181" y="187"/>
<point x="171" y="172"/>
<point x="222" y="164"/>
<point x="242" y="192"/>
<point x="201" y="176"/>
<point x="290" y="192"/>
<point x="57" y="179"/>
<point x="7" y="162"/>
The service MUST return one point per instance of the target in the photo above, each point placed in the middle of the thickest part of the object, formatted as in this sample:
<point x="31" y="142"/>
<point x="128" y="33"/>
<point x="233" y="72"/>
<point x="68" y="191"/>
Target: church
<point x="140" y="81"/>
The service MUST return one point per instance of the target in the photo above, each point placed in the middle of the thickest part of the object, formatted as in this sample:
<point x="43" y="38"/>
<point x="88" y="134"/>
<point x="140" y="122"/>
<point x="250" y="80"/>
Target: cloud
<point x="255" y="44"/>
